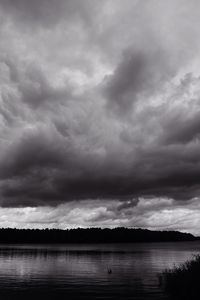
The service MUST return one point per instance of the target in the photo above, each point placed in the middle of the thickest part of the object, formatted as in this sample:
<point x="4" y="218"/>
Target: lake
<point x="81" y="271"/>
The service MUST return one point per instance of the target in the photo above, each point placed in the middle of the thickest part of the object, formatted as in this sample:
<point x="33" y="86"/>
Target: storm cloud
<point x="99" y="102"/>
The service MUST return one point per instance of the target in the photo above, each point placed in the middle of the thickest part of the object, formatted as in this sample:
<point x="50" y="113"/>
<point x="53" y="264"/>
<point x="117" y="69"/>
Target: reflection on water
<point x="81" y="271"/>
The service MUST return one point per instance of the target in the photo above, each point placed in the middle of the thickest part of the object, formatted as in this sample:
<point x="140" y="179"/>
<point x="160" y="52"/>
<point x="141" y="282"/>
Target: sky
<point x="100" y="114"/>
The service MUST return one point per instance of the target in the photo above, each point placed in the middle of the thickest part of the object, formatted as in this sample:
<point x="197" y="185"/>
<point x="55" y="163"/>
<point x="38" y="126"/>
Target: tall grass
<point x="183" y="281"/>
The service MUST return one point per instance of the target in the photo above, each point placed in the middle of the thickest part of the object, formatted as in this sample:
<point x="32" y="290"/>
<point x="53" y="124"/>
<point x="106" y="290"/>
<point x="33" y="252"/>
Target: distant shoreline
<point x="91" y="235"/>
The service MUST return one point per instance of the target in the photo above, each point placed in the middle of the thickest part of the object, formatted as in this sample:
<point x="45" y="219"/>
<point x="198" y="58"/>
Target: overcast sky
<point x="100" y="113"/>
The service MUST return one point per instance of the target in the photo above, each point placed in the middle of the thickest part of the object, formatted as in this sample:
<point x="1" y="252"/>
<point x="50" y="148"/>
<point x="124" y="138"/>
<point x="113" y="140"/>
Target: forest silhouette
<point x="90" y="235"/>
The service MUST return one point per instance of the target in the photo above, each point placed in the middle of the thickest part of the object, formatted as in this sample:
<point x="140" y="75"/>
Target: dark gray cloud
<point x="138" y="75"/>
<point x="93" y="107"/>
<point x="48" y="12"/>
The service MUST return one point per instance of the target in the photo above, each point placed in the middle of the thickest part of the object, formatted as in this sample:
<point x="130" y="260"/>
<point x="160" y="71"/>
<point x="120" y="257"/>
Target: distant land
<point x="91" y="235"/>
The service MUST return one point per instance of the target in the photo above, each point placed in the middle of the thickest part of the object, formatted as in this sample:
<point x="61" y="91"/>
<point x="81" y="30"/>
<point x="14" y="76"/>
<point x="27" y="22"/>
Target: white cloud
<point x="154" y="214"/>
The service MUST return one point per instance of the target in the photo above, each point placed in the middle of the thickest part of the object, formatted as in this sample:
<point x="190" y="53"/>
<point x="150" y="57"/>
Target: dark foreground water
<point x="80" y="271"/>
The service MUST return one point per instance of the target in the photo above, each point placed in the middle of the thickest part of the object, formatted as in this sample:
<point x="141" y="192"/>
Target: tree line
<point x="90" y="235"/>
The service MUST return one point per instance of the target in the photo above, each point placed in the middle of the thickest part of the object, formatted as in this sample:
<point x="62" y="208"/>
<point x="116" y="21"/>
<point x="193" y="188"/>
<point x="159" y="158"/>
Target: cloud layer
<point x="99" y="101"/>
<point x="151" y="213"/>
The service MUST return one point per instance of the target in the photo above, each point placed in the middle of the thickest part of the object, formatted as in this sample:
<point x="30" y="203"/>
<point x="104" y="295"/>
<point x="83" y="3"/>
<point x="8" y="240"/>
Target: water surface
<point x="80" y="271"/>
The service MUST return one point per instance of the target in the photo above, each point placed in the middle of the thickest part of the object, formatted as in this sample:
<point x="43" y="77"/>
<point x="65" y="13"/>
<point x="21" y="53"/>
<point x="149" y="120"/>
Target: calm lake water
<point x="80" y="271"/>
